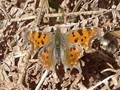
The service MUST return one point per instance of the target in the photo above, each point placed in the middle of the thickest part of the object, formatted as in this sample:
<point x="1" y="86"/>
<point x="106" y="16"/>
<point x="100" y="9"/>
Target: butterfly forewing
<point x="39" y="39"/>
<point x="83" y="36"/>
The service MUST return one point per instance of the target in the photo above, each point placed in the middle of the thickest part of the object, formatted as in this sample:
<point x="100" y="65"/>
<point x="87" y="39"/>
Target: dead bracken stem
<point x="103" y="81"/>
<point x="41" y="80"/>
<point x="58" y="15"/>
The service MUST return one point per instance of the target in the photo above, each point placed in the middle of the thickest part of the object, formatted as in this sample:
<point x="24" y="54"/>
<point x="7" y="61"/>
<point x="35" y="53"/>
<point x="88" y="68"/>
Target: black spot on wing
<point x="44" y="35"/>
<point x="46" y="51"/>
<point x="80" y="32"/>
<point x="81" y="40"/>
<point x="74" y="48"/>
<point x="71" y="55"/>
<point x="38" y="43"/>
<point x="39" y="34"/>
<point x="42" y="42"/>
<point x="73" y="34"/>
<point x="76" y="40"/>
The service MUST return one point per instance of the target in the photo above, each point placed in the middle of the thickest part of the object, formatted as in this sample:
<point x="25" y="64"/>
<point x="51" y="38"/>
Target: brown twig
<point x="103" y="81"/>
<point x="76" y="6"/>
<point x="42" y="80"/>
<point x="56" y="15"/>
<point x="41" y="12"/>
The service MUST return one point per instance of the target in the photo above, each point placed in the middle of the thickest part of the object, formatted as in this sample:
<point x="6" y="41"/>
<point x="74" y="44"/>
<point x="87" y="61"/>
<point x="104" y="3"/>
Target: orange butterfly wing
<point x="46" y="57"/>
<point x="42" y="41"/>
<point x="38" y="39"/>
<point x="84" y="37"/>
<point x="72" y="54"/>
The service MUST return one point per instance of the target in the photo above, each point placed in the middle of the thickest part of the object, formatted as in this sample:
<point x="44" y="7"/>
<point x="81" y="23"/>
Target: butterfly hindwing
<point x="46" y="57"/>
<point x="72" y="54"/>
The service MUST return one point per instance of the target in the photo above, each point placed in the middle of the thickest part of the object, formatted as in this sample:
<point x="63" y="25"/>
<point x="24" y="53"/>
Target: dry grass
<point x="21" y="70"/>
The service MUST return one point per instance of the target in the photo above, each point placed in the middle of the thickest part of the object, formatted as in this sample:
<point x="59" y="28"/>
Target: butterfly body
<point x="67" y="47"/>
<point x="58" y="45"/>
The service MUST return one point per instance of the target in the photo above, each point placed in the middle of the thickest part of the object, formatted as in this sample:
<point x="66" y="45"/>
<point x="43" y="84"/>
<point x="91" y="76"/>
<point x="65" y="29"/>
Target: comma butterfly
<point x="67" y="47"/>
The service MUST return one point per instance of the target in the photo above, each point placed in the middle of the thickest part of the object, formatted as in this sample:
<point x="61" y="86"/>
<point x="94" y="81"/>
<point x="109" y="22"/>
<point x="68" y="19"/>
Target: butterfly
<point x="67" y="47"/>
